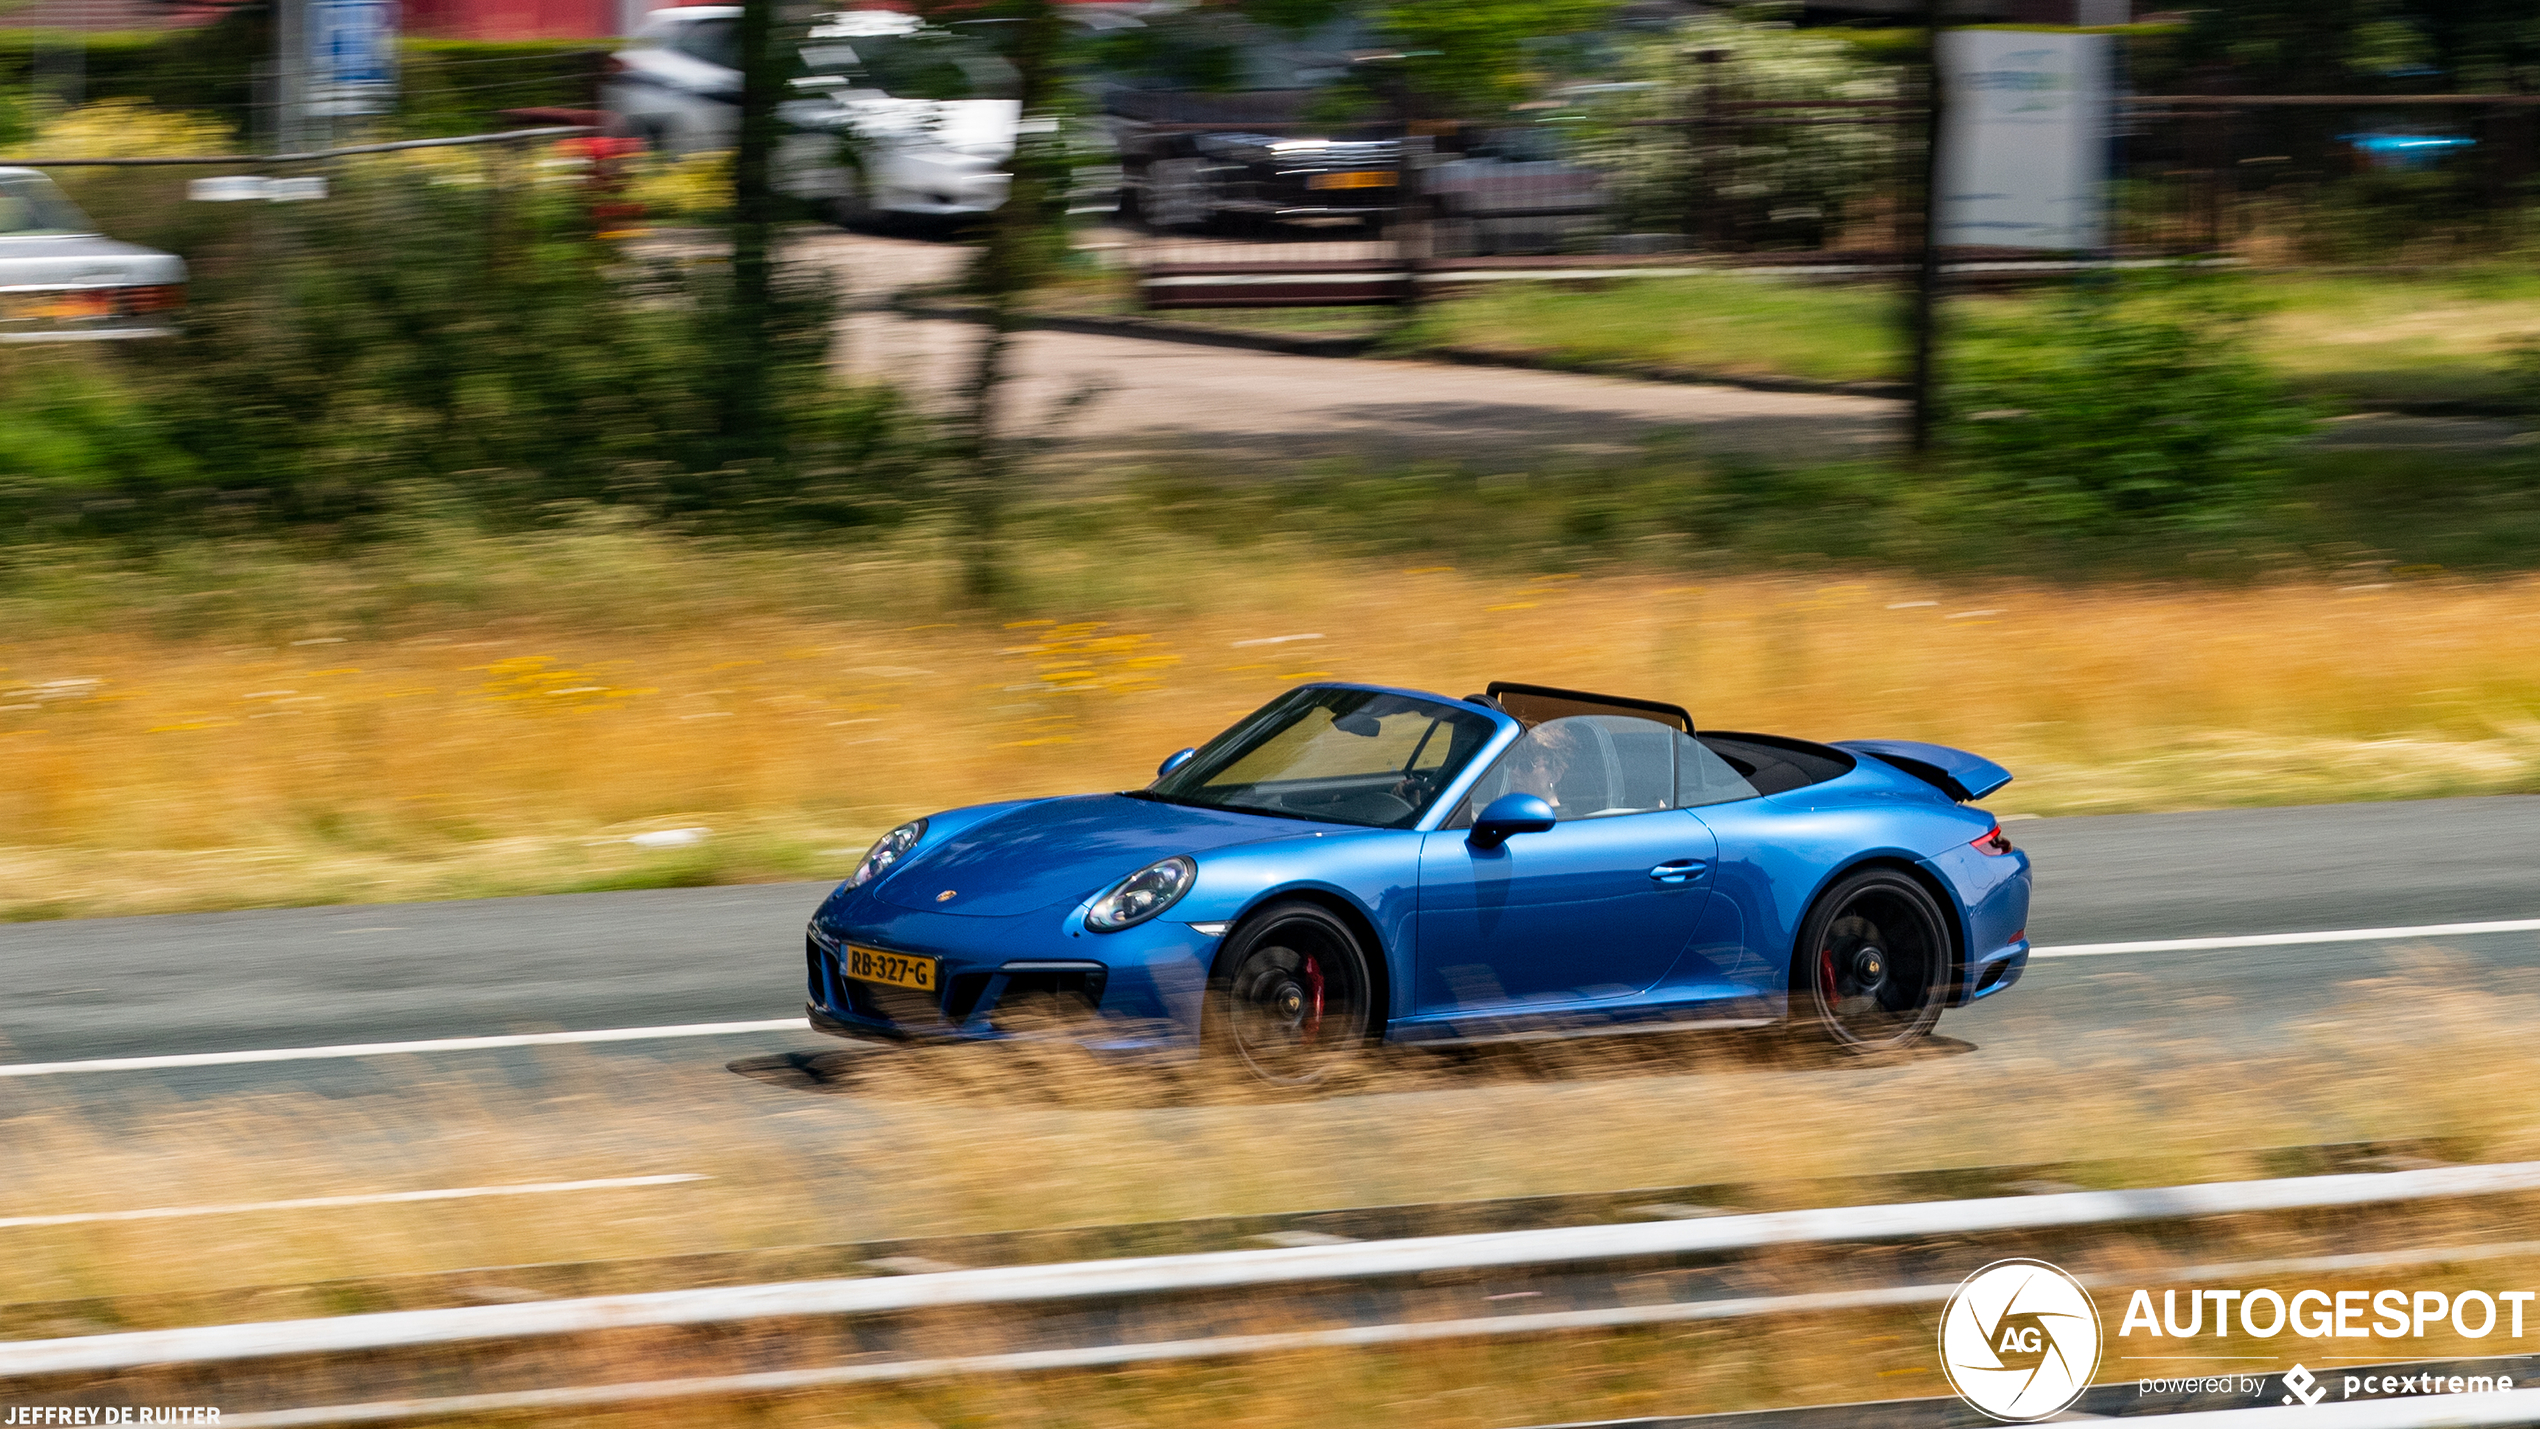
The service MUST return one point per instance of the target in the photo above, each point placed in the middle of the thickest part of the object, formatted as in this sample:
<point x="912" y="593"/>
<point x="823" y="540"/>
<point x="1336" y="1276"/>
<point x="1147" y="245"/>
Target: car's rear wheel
<point x="1868" y="971"/>
<point x="1292" y="998"/>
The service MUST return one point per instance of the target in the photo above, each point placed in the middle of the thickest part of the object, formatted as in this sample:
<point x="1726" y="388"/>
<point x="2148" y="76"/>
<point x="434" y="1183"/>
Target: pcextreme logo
<point x="2019" y="1340"/>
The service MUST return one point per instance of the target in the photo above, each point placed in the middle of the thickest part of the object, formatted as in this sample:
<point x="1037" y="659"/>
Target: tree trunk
<point x="747" y="348"/>
<point x="1009" y="267"/>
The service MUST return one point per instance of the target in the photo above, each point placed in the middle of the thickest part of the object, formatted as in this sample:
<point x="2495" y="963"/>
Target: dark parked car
<point x="1192" y="160"/>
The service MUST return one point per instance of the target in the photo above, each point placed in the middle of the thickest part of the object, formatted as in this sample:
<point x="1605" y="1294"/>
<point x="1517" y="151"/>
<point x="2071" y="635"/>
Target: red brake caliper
<point x="1312" y="1022"/>
<point x="1825" y="974"/>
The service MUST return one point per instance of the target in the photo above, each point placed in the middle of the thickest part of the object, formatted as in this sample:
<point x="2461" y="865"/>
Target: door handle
<point x="1677" y="870"/>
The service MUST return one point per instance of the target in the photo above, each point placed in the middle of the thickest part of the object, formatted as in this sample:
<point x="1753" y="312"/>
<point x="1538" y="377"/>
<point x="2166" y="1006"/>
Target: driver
<point x="1541" y="760"/>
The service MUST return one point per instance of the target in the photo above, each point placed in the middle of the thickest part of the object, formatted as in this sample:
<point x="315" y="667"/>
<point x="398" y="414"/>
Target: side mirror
<point x="1174" y="761"/>
<point x="1510" y="814"/>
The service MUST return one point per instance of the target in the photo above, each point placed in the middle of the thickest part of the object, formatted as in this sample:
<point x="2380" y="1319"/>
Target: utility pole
<point x="1927" y="270"/>
<point x="290" y="73"/>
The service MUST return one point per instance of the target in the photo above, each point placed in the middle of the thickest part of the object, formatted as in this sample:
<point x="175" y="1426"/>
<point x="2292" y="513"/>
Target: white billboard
<point x="352" y="56"/>
<point x="2024" y="138"/>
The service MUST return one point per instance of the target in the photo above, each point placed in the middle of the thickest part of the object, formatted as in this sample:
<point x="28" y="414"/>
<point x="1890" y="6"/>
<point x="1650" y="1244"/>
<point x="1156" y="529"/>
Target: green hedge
<point x="451" y="86"/>
<point x="458" y="86"/>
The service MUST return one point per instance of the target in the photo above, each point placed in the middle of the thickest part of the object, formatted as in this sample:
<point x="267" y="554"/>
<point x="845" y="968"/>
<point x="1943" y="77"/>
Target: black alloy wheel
<point x="1291" y="998"/>
<point x="1870" y="963"/>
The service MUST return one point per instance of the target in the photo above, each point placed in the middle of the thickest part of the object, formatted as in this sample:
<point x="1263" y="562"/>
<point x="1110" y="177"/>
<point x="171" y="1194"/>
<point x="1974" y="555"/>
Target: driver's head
<point x="1540" y="759"/>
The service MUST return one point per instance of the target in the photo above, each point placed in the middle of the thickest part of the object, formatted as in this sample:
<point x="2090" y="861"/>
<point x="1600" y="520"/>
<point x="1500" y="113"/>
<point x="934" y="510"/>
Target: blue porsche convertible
<point x="1352" y="864"/>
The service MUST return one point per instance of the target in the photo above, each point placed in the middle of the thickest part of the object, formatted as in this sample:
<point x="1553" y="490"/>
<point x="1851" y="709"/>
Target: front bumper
<point x="938" y="186"/>
<point x="1138" y="989"/>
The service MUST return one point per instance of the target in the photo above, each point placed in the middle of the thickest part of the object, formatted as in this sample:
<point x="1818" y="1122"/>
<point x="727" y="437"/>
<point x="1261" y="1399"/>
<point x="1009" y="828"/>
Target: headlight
<point x="887" y="852"/>
<point x="1141" y="895"/>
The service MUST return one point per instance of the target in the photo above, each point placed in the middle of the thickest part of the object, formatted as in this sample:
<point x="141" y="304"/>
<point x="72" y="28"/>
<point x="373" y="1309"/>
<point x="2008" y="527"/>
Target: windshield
<point x="30" y="207"/>
<point x="1345" y="756"/>
<point x="929" y="64"/>
<point x="717" y="42"/>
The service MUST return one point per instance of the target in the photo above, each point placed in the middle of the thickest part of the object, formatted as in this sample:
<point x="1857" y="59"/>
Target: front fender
<point x="1375" y="872"/>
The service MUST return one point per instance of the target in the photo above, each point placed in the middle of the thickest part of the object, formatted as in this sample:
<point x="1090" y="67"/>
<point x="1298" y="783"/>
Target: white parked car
<point x="676" y="85"/>
<point x="890" y="116"/>
<point x="61" y="280"/>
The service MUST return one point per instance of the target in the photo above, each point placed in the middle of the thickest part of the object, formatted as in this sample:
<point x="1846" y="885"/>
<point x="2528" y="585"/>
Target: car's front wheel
<point x="1867" y="974"/>
<point x="853" y="208"/>
<point x="1292" y="997"/>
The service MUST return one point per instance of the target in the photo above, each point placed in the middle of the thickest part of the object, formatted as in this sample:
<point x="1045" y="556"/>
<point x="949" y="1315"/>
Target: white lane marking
<point x="784" y="1024"/>
<point x="381" y="1049"/>
<point x="2286" y="940"/>
<point x="378" y="1198"/>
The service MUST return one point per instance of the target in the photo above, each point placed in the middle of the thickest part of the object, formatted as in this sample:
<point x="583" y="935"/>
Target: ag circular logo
<point x="2020" y="1340"/>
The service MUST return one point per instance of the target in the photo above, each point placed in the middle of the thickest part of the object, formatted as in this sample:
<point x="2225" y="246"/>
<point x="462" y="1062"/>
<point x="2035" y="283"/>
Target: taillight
<point x="1993" y="844"/>
<point x="157" y="298"/>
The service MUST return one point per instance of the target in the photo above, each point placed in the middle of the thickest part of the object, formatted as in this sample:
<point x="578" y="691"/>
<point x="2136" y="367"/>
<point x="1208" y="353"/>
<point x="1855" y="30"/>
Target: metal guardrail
<point x="1231" y="1270"/>
<point x="314" y="156"/>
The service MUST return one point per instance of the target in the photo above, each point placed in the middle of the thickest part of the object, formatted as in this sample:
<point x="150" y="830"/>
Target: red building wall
<point x="511" y="19"/>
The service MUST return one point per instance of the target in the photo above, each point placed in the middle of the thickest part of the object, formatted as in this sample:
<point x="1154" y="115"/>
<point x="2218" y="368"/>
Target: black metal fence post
<point x="1923" y="417"/>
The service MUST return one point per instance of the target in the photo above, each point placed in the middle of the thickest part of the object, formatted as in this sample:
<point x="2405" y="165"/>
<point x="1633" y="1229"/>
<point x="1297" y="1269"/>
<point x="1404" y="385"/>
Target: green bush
<point x="445" y="86"/>
<point x="2136" y="405"/>
<point x="209" y="70"/>
<point x="421" y="335"/>
<point x="462" y="86"/>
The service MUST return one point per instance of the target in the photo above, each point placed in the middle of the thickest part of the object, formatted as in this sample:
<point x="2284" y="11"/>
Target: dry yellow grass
<point x="501" y="718"/>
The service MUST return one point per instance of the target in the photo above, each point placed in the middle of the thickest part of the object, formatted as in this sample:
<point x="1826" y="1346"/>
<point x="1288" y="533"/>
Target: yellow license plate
<point x="1359" y="179"/>
<point x="890" y="969"/>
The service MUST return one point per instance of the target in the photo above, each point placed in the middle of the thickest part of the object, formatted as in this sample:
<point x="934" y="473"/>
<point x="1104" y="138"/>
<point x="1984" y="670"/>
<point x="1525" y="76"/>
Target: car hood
<point x="1061" y="850"/>
<point x="83" y="259"/>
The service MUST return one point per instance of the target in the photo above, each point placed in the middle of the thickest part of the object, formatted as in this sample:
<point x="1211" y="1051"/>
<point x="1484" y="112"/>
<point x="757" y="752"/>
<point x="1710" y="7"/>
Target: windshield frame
<point x="1186" y="784"/>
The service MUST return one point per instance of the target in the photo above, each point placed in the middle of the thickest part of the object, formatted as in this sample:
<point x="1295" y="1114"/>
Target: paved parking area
<point x="1099" y="397"/>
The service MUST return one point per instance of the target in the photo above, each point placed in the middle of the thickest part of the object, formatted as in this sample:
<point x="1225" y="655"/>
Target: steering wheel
<point x="1369" y="806"/>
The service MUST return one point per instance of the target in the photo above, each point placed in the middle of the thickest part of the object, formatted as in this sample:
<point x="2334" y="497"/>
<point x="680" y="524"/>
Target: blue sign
<point x="352" y="56"/>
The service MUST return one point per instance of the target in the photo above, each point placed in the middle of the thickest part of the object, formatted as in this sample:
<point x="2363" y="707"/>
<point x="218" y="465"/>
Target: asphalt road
<point x="391" y="972"/>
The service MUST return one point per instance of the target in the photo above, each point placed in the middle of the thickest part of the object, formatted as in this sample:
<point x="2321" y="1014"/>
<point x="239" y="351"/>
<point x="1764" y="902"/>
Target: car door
<point x="1596" y="908"/>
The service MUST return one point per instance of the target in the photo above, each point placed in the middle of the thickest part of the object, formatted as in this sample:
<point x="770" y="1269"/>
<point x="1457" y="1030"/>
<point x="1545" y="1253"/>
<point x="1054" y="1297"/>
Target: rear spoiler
<point x="1962" y="776"/>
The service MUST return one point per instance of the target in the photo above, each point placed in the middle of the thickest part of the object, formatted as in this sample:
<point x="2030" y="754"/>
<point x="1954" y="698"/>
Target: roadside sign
<point x="2024" y="152"/>
<point x="352" y="56"/>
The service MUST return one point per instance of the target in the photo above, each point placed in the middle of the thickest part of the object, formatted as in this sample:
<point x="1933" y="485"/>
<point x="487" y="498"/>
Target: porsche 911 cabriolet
<point x="1353" y="865"/>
